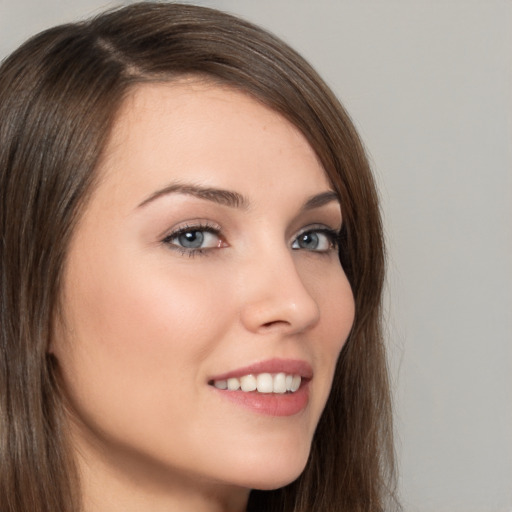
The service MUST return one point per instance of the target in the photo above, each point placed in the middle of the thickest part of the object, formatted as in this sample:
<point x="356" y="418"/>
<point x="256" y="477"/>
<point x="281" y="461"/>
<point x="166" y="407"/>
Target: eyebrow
<point x="231" y="198"/>
<point x="216" y="195"/>
<point x="320" y="200"/>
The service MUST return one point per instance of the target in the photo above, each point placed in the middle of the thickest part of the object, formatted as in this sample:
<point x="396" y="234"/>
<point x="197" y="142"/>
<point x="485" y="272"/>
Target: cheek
<point x="131" y="335"/>
<point x="140" y="317"/>
<point x="331" y="290"/>
<point x="338" y="308"/>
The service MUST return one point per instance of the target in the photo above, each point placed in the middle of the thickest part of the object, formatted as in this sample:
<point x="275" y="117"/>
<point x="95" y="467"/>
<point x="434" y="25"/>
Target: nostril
<point x="274" y="323"/>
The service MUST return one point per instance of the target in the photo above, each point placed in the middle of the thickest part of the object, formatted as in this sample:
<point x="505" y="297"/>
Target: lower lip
<point x="270" y="404"/>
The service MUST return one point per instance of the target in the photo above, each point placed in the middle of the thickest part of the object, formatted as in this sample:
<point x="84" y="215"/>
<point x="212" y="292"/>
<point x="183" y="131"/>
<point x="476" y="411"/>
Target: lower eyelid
<point x="192" y="227"/>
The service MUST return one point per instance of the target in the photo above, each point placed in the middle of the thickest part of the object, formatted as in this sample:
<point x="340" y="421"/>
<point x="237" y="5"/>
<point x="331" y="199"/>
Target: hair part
<point x="59" y="96"/>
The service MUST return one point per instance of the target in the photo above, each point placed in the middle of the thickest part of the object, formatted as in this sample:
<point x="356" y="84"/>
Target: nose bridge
<point x="275" y="295"/>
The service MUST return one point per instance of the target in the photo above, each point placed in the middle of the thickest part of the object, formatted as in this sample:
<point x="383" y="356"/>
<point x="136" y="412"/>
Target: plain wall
<point x="429" y="85"/>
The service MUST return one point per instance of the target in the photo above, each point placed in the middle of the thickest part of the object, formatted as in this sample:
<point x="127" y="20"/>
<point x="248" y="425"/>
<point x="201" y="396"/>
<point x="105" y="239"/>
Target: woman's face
<point x="205" y="258"/>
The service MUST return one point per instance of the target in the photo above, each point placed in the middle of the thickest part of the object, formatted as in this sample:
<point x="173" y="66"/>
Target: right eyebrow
<point x="217" y="195"/>
<point x="320" y="200"/>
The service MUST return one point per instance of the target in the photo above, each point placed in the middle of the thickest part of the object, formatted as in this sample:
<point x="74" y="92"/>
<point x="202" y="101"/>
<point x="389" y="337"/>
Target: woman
<point x="192" y="268"/>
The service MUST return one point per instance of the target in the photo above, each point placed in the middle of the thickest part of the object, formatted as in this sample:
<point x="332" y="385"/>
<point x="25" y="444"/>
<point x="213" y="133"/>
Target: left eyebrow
<point x="320" y="200"/>
<point x="220" y="196"/>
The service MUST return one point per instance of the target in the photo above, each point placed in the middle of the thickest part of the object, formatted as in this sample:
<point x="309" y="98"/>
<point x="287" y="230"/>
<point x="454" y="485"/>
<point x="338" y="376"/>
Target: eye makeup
<point x="200" y="238"/>
<point x="195" y="239"/>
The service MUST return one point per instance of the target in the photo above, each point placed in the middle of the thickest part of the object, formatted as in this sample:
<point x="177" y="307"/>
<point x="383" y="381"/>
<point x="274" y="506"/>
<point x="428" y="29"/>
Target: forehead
<point x="208" y="131"/>
<point x="184" y="101"/>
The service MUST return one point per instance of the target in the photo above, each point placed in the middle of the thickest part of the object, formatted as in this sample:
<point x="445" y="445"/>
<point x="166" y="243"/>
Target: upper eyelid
<point x="184" y="229"/>
<point x="192" y="226"/>
<point x="320" y="227"/>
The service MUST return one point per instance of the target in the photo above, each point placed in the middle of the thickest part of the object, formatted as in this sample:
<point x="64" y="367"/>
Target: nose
<point x="276" y="298"/>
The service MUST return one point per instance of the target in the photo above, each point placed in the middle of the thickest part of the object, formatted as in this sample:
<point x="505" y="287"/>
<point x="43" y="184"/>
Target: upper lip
<point x="276" y="365"/>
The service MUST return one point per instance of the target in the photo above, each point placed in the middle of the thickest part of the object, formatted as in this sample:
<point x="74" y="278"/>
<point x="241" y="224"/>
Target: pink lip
<point x="270" y="404"/>
<point x="289" y="366"/>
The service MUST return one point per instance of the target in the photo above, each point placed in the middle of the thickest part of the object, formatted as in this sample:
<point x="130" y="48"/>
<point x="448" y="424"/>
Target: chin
<point x="275" y="472"/>
<point x="276" y="484"/>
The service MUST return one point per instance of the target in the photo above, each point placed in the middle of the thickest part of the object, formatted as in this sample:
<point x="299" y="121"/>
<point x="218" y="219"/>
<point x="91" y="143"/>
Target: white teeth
<point x="295" y="383"/>
<point x="221" y="384"/>
<point x="280" y="383"/>
<point x="263" y="383"/>
<point x="248" y="383"/>
<point x="233" y="384"/>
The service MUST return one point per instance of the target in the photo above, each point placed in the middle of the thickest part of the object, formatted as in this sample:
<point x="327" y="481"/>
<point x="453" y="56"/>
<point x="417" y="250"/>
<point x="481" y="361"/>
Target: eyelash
<point x="332" y="235"/>
<point x="191" y="228"/>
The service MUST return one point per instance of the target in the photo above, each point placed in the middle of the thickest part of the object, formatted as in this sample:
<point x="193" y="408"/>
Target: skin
<point x="146" y="323"/>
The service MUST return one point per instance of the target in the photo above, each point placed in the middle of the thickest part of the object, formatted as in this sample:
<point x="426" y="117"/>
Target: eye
<point x="317" y="240"/>
<point x="192" y="239"/>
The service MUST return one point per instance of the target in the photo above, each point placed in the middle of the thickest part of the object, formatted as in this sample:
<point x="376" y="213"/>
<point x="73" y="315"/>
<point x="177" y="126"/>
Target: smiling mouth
<point x="278" y="383"/>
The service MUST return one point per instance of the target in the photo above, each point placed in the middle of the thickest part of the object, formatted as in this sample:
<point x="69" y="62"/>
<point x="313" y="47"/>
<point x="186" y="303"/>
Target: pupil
<point x="309" y="240"/>
<point x="191" y="239"/>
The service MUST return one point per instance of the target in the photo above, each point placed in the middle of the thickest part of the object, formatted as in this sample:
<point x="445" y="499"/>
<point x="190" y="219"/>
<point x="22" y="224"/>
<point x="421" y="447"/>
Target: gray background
<point x="429" y="85"/>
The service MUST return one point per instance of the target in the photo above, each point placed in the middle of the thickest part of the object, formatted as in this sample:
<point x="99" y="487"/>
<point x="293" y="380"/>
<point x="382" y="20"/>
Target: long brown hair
<point x="59" y="95"/>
